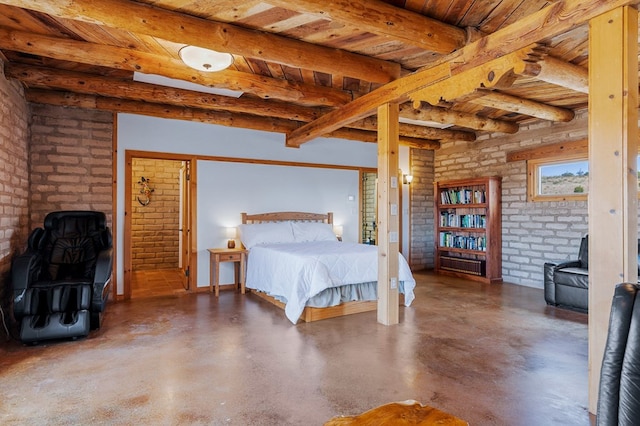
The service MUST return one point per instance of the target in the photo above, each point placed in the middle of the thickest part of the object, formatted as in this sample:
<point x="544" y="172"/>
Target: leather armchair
<point x="61" y="283"/>
<point x="566" y="283"/>
<point x="619" y="390"/>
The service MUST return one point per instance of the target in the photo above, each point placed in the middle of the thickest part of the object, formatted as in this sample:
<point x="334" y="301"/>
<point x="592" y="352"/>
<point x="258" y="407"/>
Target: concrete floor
<point x="489" y="354"/>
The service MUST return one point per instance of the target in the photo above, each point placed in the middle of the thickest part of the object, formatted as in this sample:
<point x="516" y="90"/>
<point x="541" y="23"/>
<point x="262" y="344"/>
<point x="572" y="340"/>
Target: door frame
<point x="401" y="204"/>
<point x="189" y="244"/>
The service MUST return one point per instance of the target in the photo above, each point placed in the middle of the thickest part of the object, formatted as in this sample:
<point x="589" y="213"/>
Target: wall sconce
<point x="205" y="60"/>
<point x="232" y="234"/>
<point x="338" y="229"/>
<point x="406" y="179"/>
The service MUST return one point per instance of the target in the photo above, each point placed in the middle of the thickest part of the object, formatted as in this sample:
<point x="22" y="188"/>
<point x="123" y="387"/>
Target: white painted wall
<point x="226" y="189"/>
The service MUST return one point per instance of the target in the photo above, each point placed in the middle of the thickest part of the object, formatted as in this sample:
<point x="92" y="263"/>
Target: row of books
<point x="451" y="240"/>
<point x="463" y="220"/>
<point x="463" y="196"/>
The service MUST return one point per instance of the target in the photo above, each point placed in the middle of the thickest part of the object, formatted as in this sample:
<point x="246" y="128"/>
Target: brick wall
<point x="14" y="180"/>
<point x="532" y="233"/>
<point x="422" y="240"/>
<point x="154" y="227"/>
<point x="71" y="161"/>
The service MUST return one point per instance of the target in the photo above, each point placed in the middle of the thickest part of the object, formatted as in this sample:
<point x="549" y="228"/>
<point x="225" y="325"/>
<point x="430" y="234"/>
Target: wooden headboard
<point x="287" y="216"/>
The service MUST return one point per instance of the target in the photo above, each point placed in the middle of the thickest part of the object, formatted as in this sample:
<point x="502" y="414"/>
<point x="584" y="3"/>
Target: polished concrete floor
<point x="489" y="354"/>
<point x="157" y="282"/>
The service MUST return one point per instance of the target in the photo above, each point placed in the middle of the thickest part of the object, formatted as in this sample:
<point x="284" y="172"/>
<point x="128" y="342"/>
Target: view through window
<point x="563" y="178"/>
<point x="566" y="178"/>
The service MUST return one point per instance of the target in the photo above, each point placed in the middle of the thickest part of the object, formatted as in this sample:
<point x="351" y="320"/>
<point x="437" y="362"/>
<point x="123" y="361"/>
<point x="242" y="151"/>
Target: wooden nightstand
<point x="217" y="256"/>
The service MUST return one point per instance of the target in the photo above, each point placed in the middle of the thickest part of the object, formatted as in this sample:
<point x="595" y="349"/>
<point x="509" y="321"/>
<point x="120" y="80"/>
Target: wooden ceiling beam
<point x="77" y="82"/>
<point x="185" y="29"/>
<point x="457" y="118"/>
<point x="556" y="18"/>
<point x="134" y="60"/>
<point x="564" y="74"/>
<point x="523" y="106"/>
<point x="384" y="19"/>
<point x="371" y="123"/>
<point x="247" y="121"/>
<point x="497" y="73"/>
<point x="48" y="78"/>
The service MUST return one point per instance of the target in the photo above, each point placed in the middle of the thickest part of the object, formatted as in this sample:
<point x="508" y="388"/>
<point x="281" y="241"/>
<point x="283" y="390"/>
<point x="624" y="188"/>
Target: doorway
<point x="369" y="207"/>
<point x="157" y="225"/>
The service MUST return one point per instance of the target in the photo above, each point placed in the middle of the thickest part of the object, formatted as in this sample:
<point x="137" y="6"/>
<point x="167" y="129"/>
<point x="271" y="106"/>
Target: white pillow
<point x="312" y="231"/>
<point x="252" y="234"/>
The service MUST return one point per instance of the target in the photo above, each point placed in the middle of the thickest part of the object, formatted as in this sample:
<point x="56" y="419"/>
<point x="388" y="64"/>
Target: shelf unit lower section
<point x="468" y="264"/>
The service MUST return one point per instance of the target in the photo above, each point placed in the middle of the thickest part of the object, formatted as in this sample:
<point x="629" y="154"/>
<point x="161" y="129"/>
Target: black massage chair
<point x="61" y="283"/>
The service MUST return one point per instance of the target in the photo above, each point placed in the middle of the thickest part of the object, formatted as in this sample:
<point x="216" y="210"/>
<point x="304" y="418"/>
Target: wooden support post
<point x="613" y="200"/>
<point x="388" y="211"/>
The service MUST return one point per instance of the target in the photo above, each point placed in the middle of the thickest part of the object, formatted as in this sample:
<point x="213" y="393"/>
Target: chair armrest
<point x="568" y="264"/>
<point x="25" y="269"/>
<point x="549" y="283"/>
<point x="550" y="269"/>
<point x="102" y="279"/>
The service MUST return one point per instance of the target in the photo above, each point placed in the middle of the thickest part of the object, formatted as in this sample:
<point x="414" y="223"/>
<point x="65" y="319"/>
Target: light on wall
<point x="406" y="179"/>
<point x="232" y="234"/>
<point x="206" y="60"/>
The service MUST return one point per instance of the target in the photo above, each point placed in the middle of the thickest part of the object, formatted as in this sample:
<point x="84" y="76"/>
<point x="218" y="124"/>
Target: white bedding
<point x="296" y="272"/>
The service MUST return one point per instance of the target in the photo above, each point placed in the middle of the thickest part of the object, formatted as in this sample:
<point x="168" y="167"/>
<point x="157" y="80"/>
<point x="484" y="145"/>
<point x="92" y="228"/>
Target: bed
<point x="296" y="262"/>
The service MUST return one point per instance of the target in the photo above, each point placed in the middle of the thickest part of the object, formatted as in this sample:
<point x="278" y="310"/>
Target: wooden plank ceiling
<point x="293" y="61"/>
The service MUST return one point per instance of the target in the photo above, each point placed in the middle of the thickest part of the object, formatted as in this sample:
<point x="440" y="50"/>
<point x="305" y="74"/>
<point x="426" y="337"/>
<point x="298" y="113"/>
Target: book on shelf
<point x="467" y="242"/>
<point x="463" y="196"/>
<point x="463" y="220"/>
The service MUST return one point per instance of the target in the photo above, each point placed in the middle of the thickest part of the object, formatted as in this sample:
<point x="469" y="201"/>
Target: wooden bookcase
<point x="468" y="230"/>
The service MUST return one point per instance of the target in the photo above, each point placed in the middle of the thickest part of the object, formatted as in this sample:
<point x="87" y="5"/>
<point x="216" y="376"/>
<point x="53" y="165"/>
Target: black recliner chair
<point x="619" y="391"/>
<point x="61" y="283"/>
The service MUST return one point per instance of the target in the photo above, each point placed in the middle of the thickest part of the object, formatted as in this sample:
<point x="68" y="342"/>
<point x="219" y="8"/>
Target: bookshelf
<point x="468" y="224"/>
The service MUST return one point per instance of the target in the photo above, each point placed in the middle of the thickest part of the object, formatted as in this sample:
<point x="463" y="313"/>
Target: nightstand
<point x="219" y="255"/>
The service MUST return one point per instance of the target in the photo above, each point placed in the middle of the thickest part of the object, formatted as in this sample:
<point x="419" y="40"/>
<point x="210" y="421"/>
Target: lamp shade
<point x="232" y="232"/>
<point x="338" y="229"/>
<point x="205" y="60"/>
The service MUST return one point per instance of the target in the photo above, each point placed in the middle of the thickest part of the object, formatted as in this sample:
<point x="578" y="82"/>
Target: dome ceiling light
<point x="205" y="60"/>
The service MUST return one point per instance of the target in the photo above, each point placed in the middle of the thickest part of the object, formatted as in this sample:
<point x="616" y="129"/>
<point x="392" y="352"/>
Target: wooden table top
<point x="399" y="413"/>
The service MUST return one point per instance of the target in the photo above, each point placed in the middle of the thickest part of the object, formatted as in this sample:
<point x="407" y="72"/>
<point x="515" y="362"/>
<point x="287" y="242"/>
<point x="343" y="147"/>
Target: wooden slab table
<point x="398" y="414"/>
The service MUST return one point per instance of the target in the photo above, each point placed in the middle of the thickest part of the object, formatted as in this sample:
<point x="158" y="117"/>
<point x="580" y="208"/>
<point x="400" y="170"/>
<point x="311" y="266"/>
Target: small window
<point x="566" y="179"/>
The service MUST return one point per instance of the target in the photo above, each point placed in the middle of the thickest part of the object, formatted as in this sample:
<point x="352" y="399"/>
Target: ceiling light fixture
<point x="205" y="60"/>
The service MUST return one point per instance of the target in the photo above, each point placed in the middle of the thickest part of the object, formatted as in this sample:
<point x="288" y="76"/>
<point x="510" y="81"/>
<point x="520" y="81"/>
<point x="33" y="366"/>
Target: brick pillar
<point x="422" y="204"/>
<point x="14" y="175"/>
<point x="71" y="161"/>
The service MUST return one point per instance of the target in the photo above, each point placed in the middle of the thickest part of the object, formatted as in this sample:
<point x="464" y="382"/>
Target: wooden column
<point x="613" y="199"/>
<point x="388" y="211"/>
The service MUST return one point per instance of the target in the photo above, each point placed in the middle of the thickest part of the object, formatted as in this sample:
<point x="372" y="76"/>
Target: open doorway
<point x="157" y="225"/>
<point x="369" y="208"/>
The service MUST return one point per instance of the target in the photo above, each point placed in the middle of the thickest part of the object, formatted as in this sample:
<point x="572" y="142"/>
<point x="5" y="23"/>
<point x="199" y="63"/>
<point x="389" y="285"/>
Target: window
<point x="566" y="179"/>
<point x="556" y="180"/>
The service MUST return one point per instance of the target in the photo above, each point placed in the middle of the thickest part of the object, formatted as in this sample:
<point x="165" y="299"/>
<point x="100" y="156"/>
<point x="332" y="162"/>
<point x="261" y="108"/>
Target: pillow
<point x="312" y="231"/>
<point x="252" y="234"/>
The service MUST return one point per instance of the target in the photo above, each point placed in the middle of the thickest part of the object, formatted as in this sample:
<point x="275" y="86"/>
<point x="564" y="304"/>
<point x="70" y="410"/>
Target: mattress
<point x="302" y="274"/>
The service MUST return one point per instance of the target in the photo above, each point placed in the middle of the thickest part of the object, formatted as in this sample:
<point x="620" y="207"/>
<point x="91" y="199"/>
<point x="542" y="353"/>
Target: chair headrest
<point x="54" y="220"/>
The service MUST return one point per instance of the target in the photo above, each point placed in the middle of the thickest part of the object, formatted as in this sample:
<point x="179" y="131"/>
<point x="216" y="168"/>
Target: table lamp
<point x="231" y="235"/>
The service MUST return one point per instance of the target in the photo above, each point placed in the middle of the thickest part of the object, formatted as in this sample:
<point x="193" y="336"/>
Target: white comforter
<point x="298" y="271"/>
